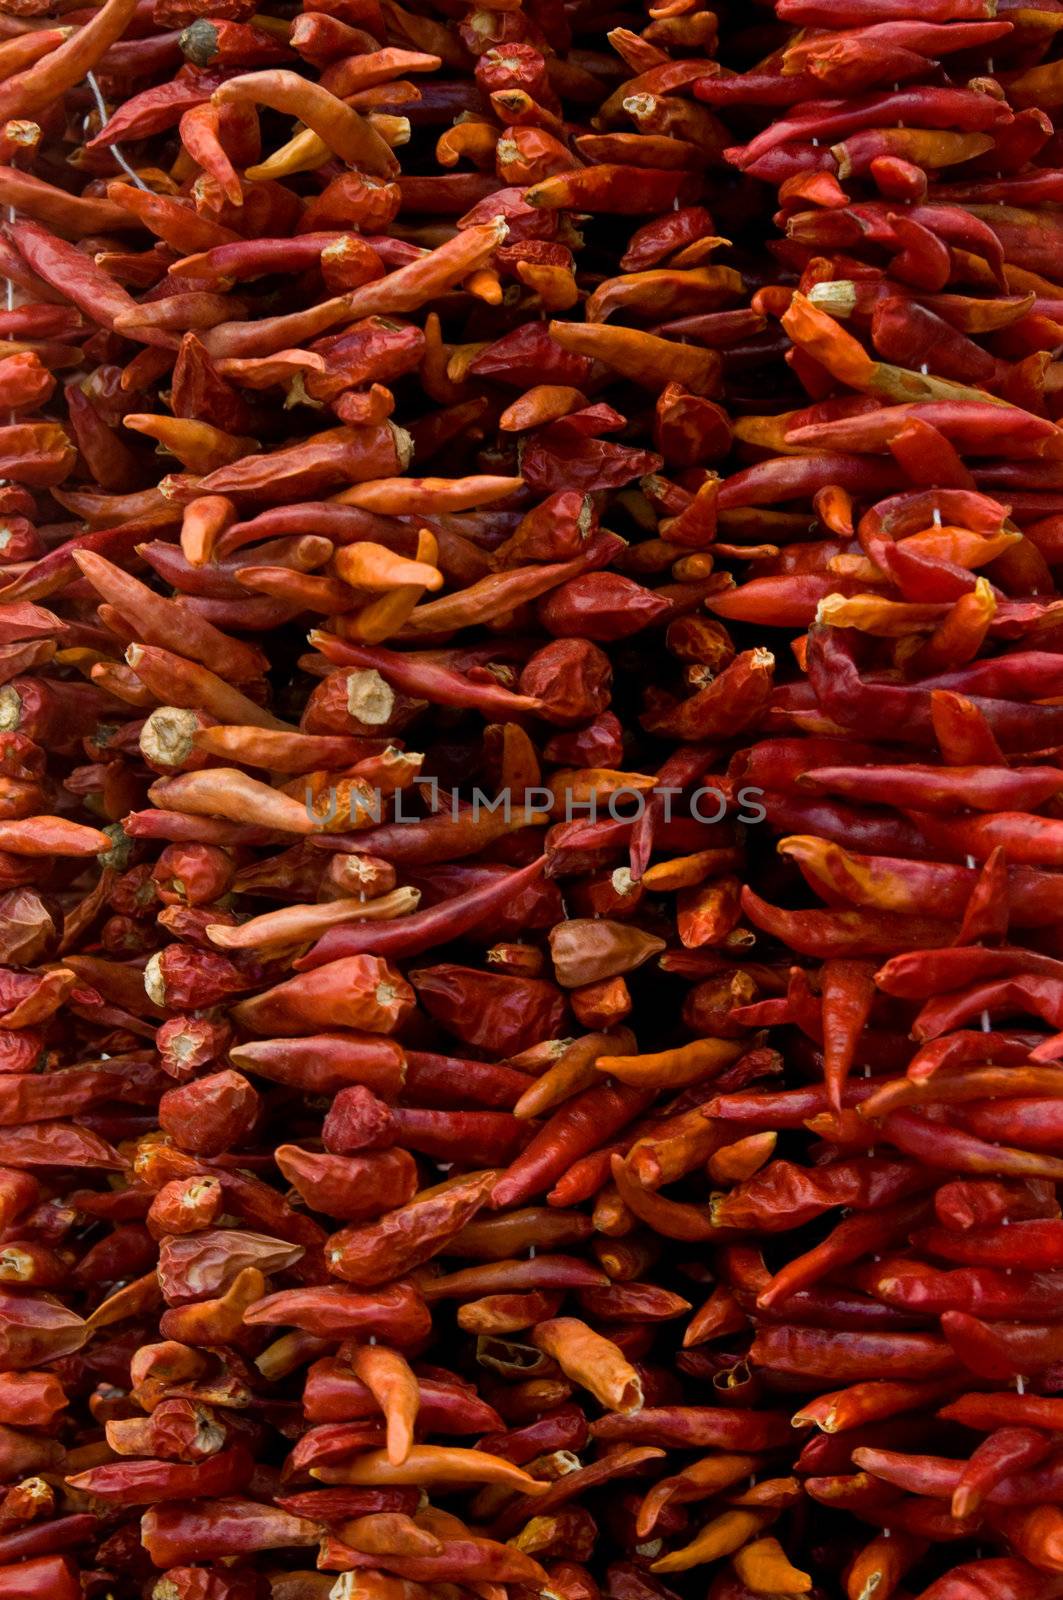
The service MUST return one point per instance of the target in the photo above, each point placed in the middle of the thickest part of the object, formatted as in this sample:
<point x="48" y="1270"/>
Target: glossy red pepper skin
<point x="439" y="924"/>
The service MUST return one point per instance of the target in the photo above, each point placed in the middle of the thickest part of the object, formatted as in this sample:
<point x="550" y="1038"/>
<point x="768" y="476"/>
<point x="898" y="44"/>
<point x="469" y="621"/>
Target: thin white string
<point x="116" y="150"/>
<point x="118" y="156"/>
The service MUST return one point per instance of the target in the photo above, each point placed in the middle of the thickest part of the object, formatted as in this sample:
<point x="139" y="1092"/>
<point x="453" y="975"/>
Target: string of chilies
<point x="905" y="777"/>
<point x="434" y="1156"/>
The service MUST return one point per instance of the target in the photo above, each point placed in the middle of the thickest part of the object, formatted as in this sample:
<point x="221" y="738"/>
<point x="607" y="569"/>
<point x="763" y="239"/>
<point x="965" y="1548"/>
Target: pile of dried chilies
<point x="531" y="1000"/>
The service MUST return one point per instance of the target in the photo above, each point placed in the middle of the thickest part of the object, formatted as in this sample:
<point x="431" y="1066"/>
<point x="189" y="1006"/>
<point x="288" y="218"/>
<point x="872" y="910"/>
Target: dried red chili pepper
<point x="904" y="756"/>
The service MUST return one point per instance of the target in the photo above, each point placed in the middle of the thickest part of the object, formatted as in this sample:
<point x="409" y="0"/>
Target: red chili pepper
<point x="892" y="503"/>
